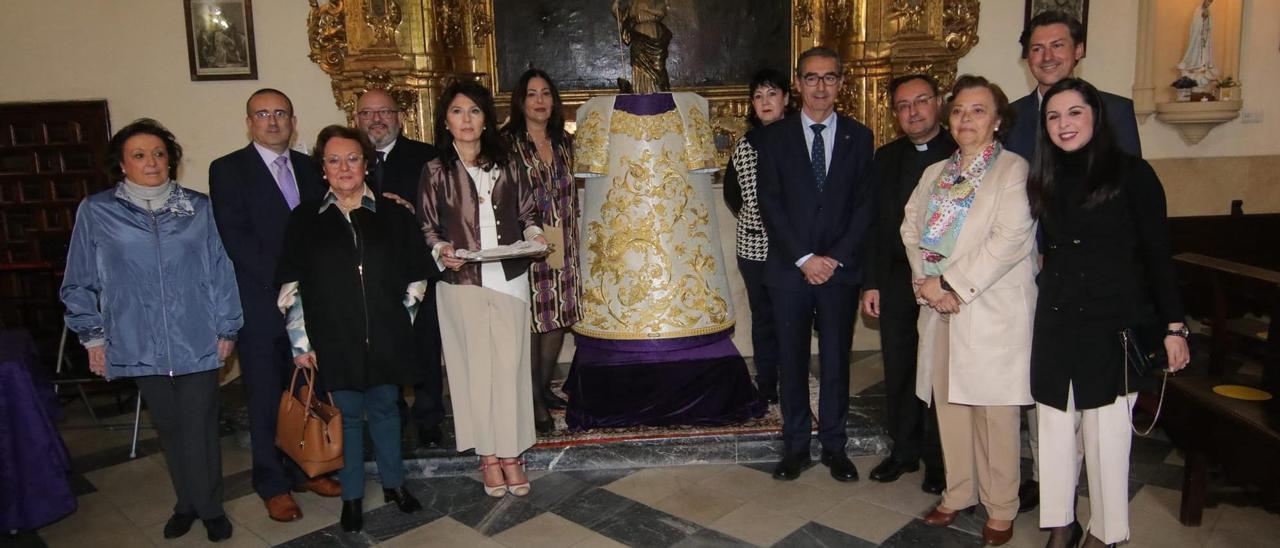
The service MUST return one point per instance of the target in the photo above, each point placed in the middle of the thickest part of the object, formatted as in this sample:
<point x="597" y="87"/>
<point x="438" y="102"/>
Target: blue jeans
<point x="378" y="404"/>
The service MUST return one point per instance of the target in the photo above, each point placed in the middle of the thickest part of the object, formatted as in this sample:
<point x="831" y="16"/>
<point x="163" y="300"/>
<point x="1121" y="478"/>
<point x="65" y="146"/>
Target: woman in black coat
<point x="359" y="264"/>
<point x="1107" y="267"/>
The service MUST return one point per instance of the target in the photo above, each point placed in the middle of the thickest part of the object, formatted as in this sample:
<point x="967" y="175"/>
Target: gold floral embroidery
<point x="592" y="145"/>
<point x="699" y="142"/>
<point x="650" y="269"/>
<point x="646" y="128"/>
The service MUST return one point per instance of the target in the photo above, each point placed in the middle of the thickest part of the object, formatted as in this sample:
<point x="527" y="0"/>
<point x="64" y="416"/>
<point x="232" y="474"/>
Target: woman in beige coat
<point x="970" y="239"/>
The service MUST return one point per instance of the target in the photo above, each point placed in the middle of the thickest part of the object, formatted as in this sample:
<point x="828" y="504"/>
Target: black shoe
<point x="1028" y="496"/>
<point x="791" y="466"/>
<point x="403" y="498"/>
<point x="552" y="401"/>
<point x="430" y="437"/>
<point x="890" y="469"/>
<point x="217" y="529"/>
<point x="770" y="398"/>
<point x="544" y="426"/>
<point x="178" y="525"/>
<point x="353" y="515"/>
<point x="935" y="481"/>
<point x="1067" y="536"/>
<point x="842" y="469"/>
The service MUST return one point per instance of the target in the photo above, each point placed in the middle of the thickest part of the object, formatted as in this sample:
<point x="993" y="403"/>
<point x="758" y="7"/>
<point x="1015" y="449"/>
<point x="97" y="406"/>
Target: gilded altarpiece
<point x="414" y="48"/>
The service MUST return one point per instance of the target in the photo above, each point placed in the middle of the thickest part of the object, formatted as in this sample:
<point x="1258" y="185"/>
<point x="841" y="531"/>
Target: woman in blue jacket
<point x="152" y="296"/>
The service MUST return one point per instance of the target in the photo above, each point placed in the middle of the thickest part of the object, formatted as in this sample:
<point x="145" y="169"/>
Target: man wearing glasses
<point x="888" y="294"/>
<point x="253" y="190"/>
<point x="817" y="202"/>
<point x="394" y="173"/>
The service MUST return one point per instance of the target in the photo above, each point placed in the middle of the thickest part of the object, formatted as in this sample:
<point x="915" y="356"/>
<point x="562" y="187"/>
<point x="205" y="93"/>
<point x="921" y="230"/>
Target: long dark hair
<point x="1100" y="157"/>
<point x="768" y="78"/>
<point x="142" y="126"/>
<point x="491" y="149"/>
<point x="516" y="127"/>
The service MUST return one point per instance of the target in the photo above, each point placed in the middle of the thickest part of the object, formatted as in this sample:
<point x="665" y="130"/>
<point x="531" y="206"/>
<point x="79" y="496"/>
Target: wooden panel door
<point x="51" y="157"/>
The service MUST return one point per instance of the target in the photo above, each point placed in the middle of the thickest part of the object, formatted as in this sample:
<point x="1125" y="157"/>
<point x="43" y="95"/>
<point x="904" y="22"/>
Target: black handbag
<point x="1145" y="357"/>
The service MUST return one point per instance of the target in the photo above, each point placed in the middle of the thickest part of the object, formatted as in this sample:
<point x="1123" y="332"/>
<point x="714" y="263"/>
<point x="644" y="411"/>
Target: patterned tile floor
<point x="125" y="502"/>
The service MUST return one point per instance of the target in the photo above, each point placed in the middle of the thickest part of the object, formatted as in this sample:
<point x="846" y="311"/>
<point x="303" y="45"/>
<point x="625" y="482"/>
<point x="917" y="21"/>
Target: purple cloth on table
<point x="700" y="381"/>
<point x="645" y="105"/>
<point x="33" y="460"/>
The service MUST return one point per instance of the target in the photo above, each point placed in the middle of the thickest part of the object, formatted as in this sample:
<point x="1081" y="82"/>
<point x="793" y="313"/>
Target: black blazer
<point x="896" y="171"/>
<point x="251" y="215"/>
<point x="400" y="173"/>
<point x="1026" y="121"/>
<point x="799" y="219"/>
<point x="352" y="279"/>
<point x="1106" y="267"/>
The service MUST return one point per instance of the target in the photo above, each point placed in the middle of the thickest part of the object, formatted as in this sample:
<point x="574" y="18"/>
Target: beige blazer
<point x="993" y="271"/>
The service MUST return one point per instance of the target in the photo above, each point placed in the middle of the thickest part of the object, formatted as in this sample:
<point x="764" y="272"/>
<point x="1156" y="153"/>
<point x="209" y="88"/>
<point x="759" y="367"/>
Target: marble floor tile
<point x="816" y="535"/>
<point x="738" y="481"/>
<point x="241" y="537"/>
<point x="597" y="540"/>
<point x="918" y="534"/>
<point x="757" y="524"/>
<point x="701" y="506"/>
<point x="554" y="487"/>
<point x="600" y="478"/>
<point x="387" y="522"/>
<point x="710" y="538"/>
<point x="442" y="533"/>
<point x="644" y="526"/>
<point x="647" y="486"/>
<point x="544" y="531"/>
<point x="593" y="506"/>
<point x="863" y="520"/>
<point x="1153" y="520"/>
<point x="316" y="514"/>
<point x="234" y="458"/>
<point x="494" y="516"/>
<point x="800" y="500"/>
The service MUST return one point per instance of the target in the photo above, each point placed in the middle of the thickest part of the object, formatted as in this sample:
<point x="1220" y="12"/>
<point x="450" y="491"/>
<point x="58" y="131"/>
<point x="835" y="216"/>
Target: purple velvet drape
<point x="700" y="381"/>
<point x="33" y="460"/>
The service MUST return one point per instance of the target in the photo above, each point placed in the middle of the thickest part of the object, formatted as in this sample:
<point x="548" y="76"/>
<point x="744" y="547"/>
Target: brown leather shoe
<point x="323" y="486"/>
<point x="282" y="508"/>
<point x="938" y="518"/>
<point x="996" y="537"/>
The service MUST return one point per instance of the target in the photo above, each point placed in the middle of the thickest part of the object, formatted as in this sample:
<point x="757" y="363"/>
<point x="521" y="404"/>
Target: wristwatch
<point x="1183" y="332"/>
<point x="945" y="286"/>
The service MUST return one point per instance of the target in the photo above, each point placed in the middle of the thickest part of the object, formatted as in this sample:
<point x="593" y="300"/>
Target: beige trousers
<point x="485" y="335"/>
<point x="1106" y="435"/>
<point x="979" y="447"/>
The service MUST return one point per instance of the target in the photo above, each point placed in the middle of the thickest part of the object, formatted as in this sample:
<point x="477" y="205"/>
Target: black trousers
<point x="184" y="410"/>
<point x="763" y="337"/>
<point x="266" y="364"/>
<point x="428" y="395"/>
<point x="911" y="423"/>
<point x="834" y="308"/>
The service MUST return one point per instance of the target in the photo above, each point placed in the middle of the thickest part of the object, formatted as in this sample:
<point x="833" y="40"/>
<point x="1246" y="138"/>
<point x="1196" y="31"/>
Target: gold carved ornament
<point x="327" y="32"/>
<point x="631" y="249"/>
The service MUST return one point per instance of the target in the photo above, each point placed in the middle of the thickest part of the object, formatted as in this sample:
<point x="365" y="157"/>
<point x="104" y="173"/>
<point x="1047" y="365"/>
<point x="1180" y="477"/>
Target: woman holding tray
<point x="472" y="198"/>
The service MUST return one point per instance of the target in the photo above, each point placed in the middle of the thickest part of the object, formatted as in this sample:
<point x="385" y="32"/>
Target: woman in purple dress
<point x="539" y="144"/>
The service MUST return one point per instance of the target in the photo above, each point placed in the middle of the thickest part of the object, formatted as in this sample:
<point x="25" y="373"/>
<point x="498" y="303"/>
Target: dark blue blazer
<point x="251" y="215"/>
<point x="1026" y="122"/>
<point x="402" y="170"/>
<point x="798" y="218"/>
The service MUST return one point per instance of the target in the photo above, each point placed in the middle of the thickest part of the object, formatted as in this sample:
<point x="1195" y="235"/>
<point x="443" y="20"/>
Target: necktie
<point x="378" y="168"/>
<point x="284" y="179"/>
<point x="818" y="156"/>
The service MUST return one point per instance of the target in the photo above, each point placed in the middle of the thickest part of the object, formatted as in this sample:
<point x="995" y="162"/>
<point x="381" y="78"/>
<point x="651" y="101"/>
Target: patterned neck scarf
<point x="949" y="203"/>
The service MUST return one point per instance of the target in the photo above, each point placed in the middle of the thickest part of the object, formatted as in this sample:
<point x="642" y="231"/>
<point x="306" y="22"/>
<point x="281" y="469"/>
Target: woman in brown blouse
<point x="473" y="199"/>
<point x="544" y="151"/>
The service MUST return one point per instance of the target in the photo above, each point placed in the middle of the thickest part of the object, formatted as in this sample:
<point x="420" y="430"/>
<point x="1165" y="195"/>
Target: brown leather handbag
<point x="308" y="429"/>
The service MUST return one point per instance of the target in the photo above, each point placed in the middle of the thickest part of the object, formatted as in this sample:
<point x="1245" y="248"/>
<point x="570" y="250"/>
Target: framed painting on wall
<point x="220" y="39"/>
<point x="1075" y="8"/>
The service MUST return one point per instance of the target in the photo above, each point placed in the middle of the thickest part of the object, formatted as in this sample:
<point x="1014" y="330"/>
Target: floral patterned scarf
<point x="949" y="203"/>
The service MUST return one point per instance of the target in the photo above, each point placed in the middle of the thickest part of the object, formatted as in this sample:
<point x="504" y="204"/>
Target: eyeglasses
<point x="333" y="160"/>
<point x="812" y="80"/>
<point x="278" y="114"/>
<point x="918" y="102"/>
<point x="380" y="113"/>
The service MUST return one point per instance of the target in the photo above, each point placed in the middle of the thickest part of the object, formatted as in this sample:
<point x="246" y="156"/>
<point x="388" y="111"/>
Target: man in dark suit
<point x="817" y="202"/>
<point x="395" y="174"/>
<point x="911" y="423"/>
<point x="253" y="189"/>
<point x="1053" y="43"/>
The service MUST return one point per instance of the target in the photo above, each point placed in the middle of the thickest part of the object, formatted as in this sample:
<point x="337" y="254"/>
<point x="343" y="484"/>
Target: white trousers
<point x="1106" y="436"/>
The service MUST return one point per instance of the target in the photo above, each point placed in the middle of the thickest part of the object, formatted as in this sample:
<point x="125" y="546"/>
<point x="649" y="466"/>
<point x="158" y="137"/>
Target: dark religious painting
<point x="220" y="40"/>
<point x="580" y="42"/>
<point x="1075" y="8"/>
